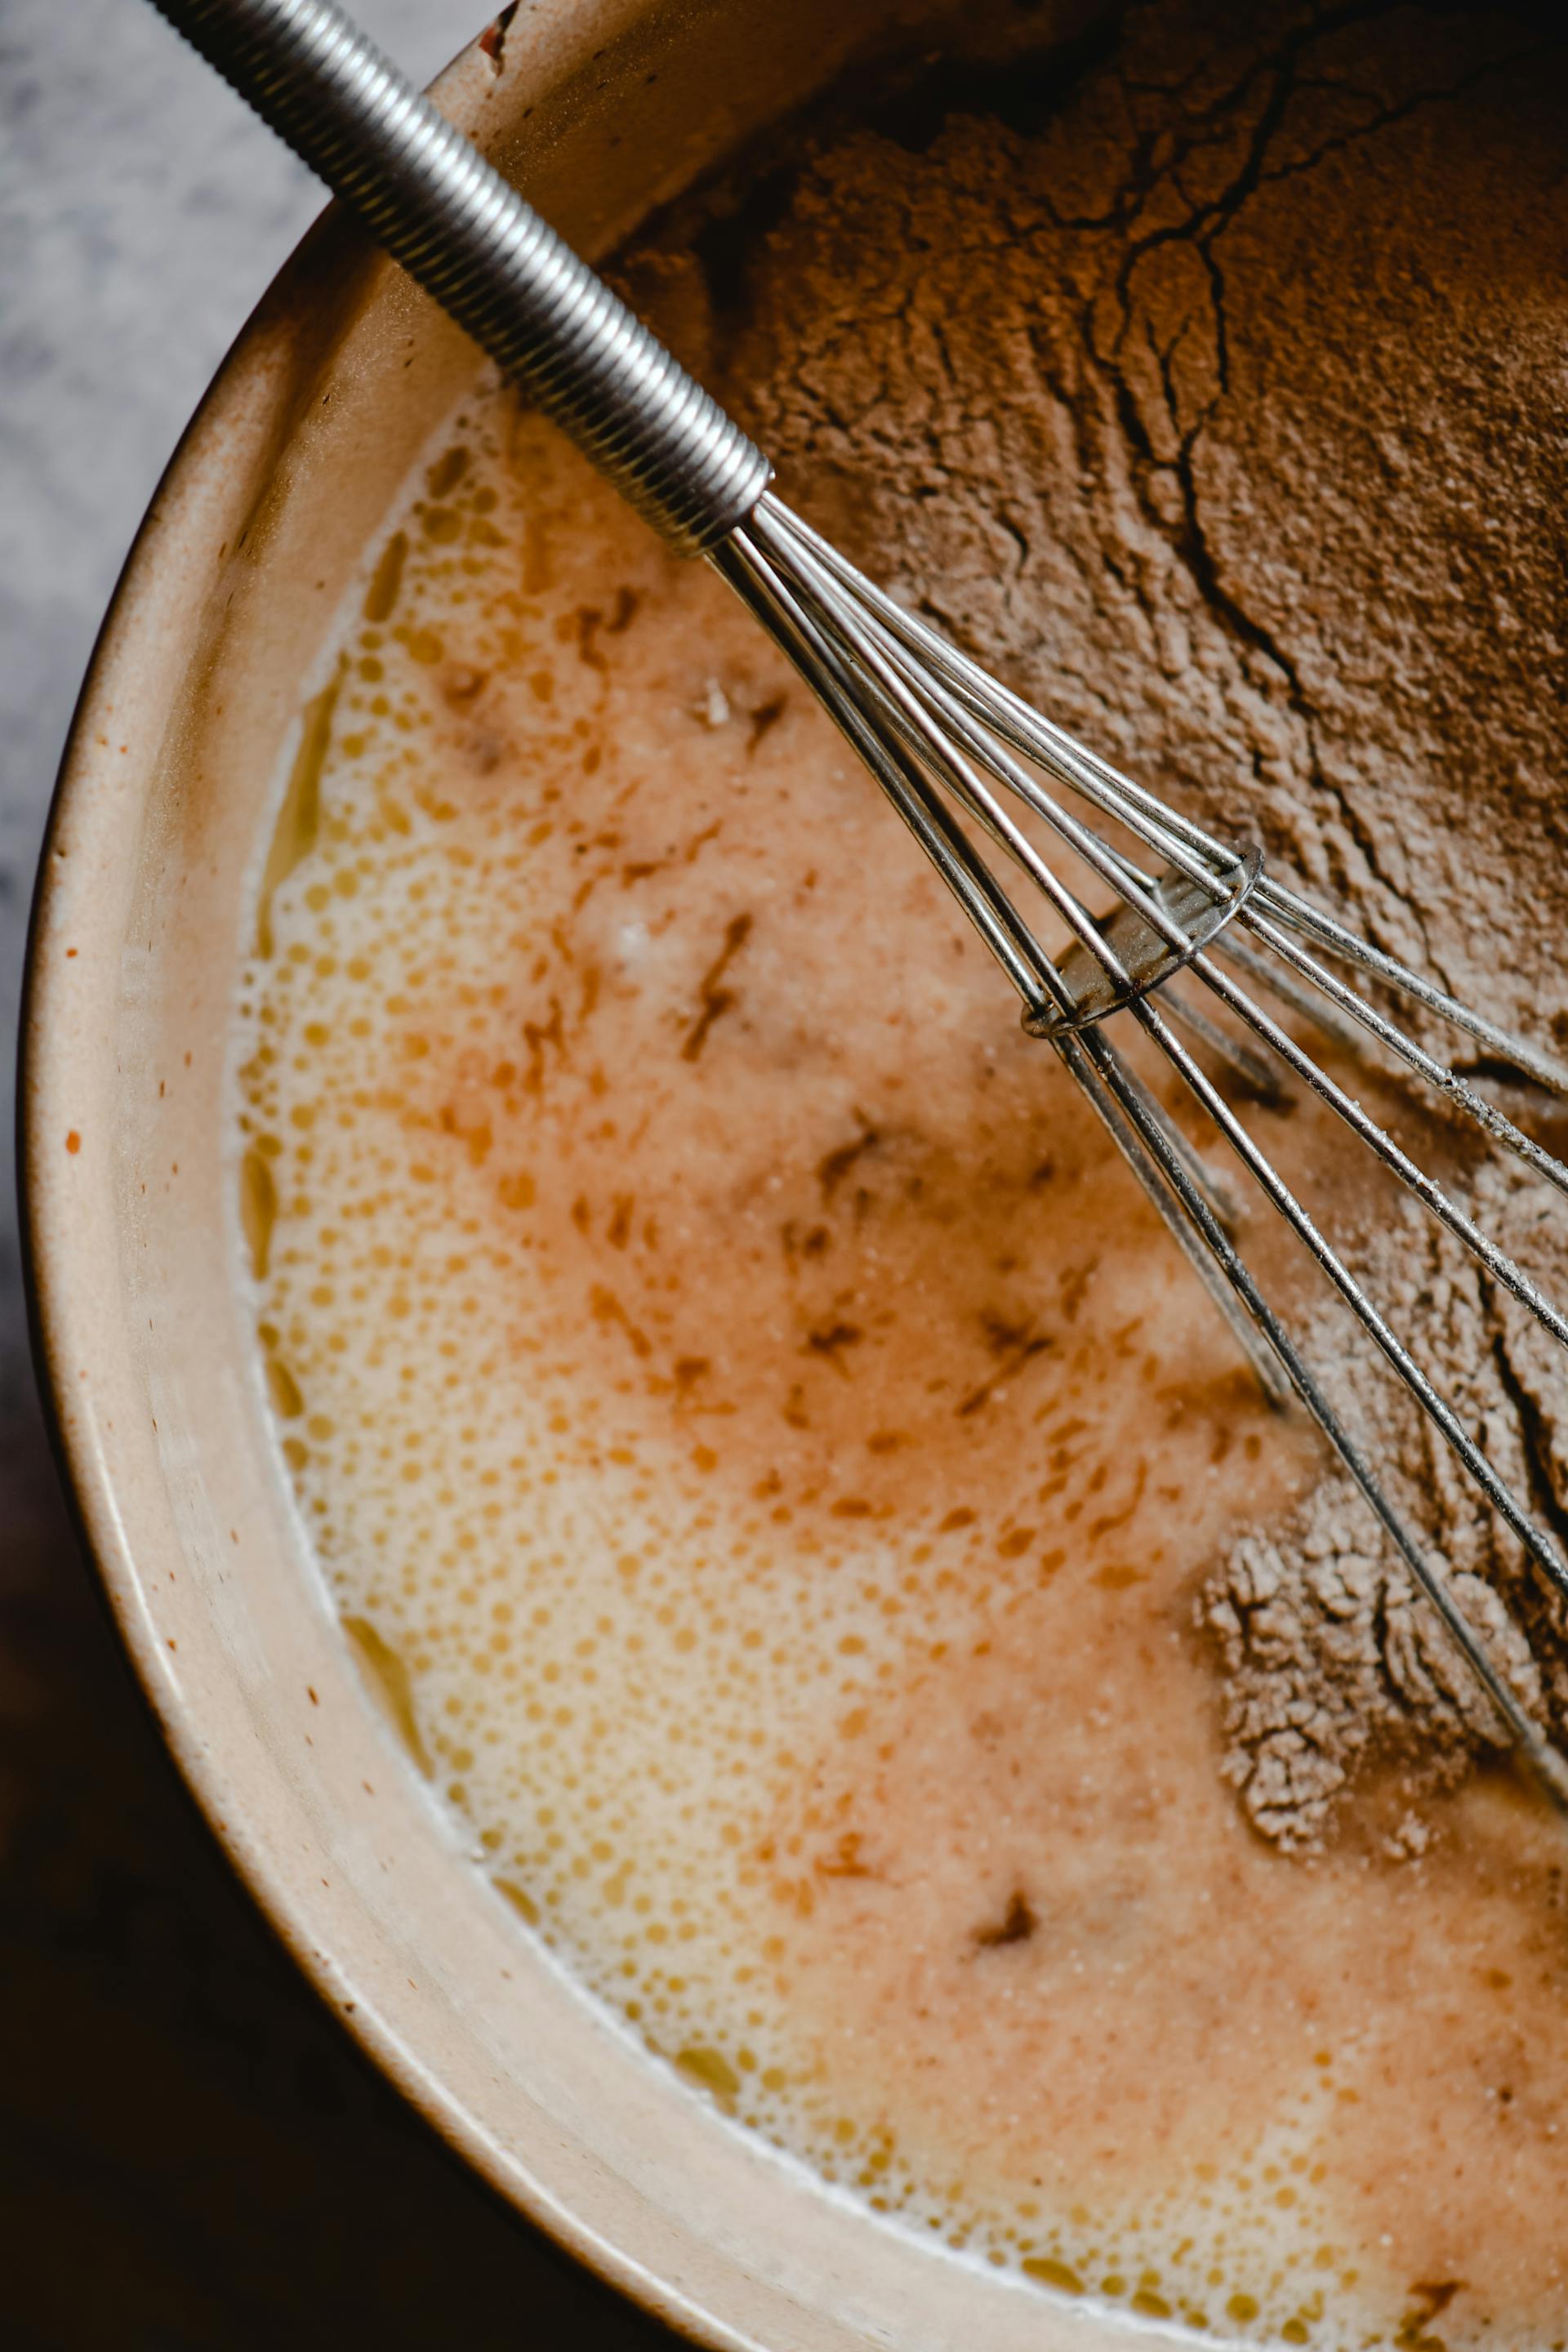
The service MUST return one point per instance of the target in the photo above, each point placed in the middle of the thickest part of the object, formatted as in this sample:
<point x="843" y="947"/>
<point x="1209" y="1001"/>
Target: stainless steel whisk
<point x="940" y="736"/>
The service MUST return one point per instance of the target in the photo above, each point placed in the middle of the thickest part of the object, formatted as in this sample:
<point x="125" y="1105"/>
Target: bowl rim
<point x="63" y="1311"/>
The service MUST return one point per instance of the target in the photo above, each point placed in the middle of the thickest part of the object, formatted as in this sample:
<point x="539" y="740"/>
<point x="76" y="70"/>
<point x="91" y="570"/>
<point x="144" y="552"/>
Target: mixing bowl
<point x="599" y="108"/>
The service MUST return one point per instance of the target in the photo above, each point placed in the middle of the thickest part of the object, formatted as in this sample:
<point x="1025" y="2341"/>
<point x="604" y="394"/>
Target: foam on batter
<point x="763" y="1449"/>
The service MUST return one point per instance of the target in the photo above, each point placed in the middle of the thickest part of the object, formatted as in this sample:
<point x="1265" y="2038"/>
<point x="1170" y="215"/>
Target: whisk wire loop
<point x="928" y="722"/>
<point x="815" y="654"/>
<point x="1434" y="1581"/>
<point x="1027" y="730"/>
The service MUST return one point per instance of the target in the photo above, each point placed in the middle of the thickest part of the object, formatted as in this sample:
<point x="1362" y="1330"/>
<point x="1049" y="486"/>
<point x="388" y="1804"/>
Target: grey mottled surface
<point x="190" y="2155"/>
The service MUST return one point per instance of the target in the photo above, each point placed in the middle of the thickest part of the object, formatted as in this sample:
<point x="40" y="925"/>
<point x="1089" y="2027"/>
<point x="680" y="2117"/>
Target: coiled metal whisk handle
<point x="429" y="198"/>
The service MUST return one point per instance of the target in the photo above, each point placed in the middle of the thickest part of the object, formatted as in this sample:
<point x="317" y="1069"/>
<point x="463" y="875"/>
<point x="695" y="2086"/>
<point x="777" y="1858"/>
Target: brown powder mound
<point x="1208" y="379"/>
<point x="1329" y="1653"/>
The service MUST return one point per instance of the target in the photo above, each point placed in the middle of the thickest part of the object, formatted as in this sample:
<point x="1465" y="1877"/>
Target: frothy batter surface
<point x="765" y="1453"/>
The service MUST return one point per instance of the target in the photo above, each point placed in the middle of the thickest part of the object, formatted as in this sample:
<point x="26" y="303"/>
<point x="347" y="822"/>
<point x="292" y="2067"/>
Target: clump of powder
<point x="1207" y="381"/>
<point x="1330" y="1654"/>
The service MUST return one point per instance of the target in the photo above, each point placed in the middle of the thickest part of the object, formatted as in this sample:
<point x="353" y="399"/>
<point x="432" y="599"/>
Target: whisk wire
<point x="1038" y="737"/>
<point x="929" y="722"/>
<point x="1238" y="1056"/>
<point x="1496" y="1490"/>
<point x="816" y="655"/>
<point x="1184" y="943"/>
<point x="1550" y="1766"/>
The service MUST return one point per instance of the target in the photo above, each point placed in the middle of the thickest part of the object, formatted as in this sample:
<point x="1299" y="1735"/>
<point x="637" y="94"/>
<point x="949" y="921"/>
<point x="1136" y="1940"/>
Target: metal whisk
<point x="940" y="736"/>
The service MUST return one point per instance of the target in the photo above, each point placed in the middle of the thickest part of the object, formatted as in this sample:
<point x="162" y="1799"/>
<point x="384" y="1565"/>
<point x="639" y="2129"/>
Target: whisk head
<point x="940" y="736"/>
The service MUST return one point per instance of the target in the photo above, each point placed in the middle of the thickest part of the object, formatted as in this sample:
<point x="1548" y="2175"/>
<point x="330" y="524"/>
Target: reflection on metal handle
<point x="428" y="195"/>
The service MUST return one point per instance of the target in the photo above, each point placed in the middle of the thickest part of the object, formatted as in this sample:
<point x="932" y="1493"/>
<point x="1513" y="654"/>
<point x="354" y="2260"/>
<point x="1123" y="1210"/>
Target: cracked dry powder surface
<point x="1330" y="1658"/>
<point x="1215" y="396"/>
